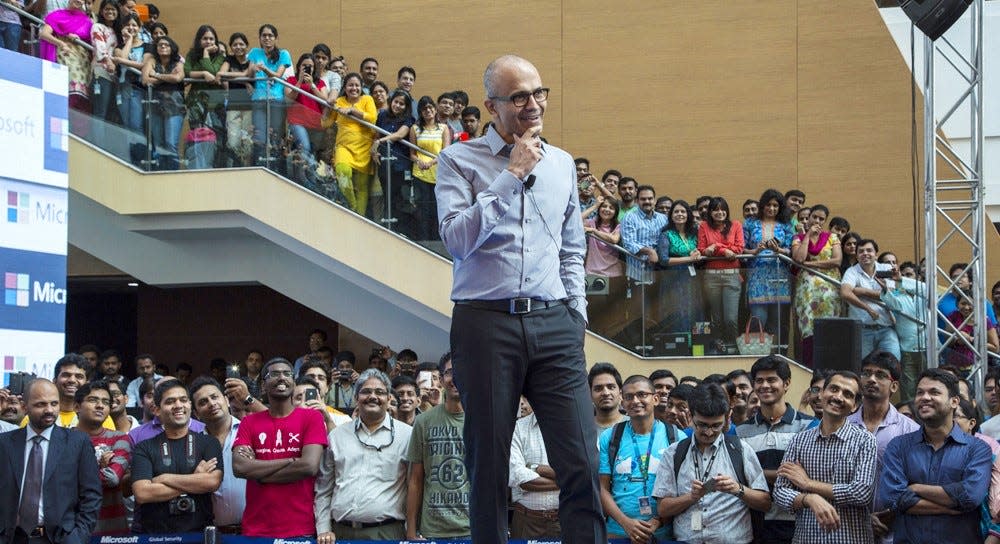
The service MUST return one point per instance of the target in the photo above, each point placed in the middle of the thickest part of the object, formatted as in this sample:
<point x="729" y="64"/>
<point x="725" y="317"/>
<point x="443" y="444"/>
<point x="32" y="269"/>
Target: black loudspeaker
<point x="934" y="17"/>
<point x="837" y="344"/>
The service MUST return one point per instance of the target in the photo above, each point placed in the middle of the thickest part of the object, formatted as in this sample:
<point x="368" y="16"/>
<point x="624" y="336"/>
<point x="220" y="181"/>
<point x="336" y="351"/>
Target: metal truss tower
<point x="955" y="211"/>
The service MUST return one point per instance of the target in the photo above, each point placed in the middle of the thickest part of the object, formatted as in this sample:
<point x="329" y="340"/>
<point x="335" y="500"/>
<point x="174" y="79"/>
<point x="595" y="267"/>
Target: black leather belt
<point x="513" y="306"/>
<point x="871" y="326"/>
<point x="364" y="525"/>
<point x="548" y="515"/>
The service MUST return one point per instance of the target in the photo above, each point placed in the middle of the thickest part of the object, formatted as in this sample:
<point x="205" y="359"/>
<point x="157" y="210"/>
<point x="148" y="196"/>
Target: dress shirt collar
<point x="787" y="418"/>
<point x="360" y="425"/>
<point x="712" y="447"/>
<point x="46" y="434"/>
<point x="956" y="435"/>
<point x="497" y="143"/>
<point x="841" y="433"/>
<point x="892" y="417"/>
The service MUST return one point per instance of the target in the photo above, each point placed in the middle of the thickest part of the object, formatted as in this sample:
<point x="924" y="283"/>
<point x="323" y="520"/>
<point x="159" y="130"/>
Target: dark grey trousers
<point x="496" y="357"/>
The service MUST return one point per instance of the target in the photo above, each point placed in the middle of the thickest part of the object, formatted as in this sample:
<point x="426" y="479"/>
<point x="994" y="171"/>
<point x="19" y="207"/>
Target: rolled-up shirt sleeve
<point x="630" y="235"/>
<point x="468" y="219"/>
<point x="573" y="251"/>
<point x="970" y="492"/>
<point x="784" y="491"/>
<point x="893" y="490"/>
<point x="861" y="488"/>
<point x="519" y="473"/>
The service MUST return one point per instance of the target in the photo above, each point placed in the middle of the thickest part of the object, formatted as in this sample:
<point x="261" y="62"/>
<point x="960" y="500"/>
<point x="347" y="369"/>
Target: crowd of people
<point x="329" y="447"/>
<point x="697" y="269"/>
<point x="727" y="270"/>
<point x="314" y="128"/>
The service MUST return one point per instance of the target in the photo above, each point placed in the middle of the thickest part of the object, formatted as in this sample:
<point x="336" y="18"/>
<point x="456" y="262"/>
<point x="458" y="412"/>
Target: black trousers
<point x="496" y="357"/>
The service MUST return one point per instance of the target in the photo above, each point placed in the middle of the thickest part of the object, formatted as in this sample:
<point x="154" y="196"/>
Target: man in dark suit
<point x="48" y="474"/>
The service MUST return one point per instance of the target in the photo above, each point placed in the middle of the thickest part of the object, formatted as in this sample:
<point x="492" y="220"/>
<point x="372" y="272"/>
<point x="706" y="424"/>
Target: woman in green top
<point x="203" y="62"/>
<point x="680" y="285"/>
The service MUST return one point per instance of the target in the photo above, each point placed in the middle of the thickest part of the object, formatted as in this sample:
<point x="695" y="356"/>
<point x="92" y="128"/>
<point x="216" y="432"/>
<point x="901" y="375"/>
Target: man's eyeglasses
<point x="367" y="392"/>
<point x="713" y="427"/>
<point x="641" y="395"/>
<point x="271" y="374"/>
<point x="521" y="99"/>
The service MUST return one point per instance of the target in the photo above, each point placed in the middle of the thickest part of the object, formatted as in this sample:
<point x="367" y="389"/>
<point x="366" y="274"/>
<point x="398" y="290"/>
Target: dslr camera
<point x="181" y="505"/>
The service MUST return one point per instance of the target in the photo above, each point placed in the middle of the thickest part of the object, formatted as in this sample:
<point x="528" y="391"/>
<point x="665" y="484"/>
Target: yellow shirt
<point x="428" y="139"/>
<point x="354" y="140"/>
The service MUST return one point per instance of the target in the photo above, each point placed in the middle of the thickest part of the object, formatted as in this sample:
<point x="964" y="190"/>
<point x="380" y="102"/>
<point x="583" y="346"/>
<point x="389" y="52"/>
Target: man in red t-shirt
<point x="278" y="452"/>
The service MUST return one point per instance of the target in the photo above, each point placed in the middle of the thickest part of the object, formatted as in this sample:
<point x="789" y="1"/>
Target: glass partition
<point x="689" y="310"/>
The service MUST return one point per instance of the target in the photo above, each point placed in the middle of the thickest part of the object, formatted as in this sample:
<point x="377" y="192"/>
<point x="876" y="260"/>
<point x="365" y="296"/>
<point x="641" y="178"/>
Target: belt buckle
<point x="520" y="305"/>
<point x="37" y="532"/>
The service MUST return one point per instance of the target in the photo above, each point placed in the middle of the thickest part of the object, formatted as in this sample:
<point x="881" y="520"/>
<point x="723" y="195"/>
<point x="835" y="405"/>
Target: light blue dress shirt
<point x="508" y="241"/>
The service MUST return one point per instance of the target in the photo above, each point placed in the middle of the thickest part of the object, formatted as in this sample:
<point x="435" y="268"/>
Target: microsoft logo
<point x="17" y="207"/>
<point x="12" y="363"/>
<point x="60" y="134"/>
<point x="15" y="289"/>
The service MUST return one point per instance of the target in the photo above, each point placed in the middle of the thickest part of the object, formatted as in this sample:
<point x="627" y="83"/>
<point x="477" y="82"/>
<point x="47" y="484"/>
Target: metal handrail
<point x="372" y="126"/>
<point x="278" y="80"/>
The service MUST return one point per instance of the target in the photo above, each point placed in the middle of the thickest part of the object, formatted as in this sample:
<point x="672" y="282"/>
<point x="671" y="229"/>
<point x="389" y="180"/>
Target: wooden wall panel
<point x="854" y="121"/>
<point x="684" y="97"/>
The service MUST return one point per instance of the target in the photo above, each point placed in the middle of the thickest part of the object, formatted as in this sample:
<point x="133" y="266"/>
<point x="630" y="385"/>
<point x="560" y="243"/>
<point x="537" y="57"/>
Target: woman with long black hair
<point x="396" y="179"/>
<point x="767" y="235"/>
<point x="166" y="75"/>
<point x="431" y="136"/>
<point x="268" y="61"/>
<point x="721" y="237"/>
<point x="680" y="284"/>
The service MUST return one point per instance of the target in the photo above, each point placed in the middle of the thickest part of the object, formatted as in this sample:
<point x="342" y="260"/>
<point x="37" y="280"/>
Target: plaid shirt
<point x="845" y="459"/>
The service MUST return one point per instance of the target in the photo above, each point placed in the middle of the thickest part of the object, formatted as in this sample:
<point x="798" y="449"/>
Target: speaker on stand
<point x="837" y="344"/>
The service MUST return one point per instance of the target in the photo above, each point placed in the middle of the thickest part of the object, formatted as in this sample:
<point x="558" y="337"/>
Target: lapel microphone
<point x="529" y="183"/>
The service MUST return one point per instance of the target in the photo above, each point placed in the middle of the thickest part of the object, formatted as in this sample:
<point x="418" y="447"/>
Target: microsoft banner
<point x="34" y="136"/>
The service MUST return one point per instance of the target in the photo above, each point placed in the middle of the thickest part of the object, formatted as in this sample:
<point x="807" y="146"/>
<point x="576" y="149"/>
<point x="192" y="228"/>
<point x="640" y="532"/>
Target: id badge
<point x="645" y="506"/>
<point x="692" y="271"/>
<point x="696" y="520"/>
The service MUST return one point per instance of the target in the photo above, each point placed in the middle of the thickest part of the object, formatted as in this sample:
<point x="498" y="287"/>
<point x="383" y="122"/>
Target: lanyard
<point x="642" y="465"/>
<point x="708" y="467"/>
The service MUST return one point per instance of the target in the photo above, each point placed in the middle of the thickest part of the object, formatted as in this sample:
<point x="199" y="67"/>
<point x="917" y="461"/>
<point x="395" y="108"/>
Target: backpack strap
<point x="671" y="433"/>
<point x="679" y="454"/>
<point x="616" y="442"/>
<point x="735" y="447"/>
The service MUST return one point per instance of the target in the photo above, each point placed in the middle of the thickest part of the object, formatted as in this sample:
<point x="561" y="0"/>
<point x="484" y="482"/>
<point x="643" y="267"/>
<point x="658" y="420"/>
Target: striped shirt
<point x="770" y="443"/>
<point x="845" y="459"/>
<point x="638" y="231"/>
<point x="111" y="519"/>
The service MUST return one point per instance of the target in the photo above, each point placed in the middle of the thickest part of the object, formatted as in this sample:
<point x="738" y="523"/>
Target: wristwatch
<point x="533" y="466"/>
<point x="249" y="400"/>
<point x="740" y="494"/>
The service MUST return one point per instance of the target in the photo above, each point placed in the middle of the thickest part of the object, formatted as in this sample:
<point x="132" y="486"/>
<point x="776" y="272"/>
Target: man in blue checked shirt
<point x="827" y="478"/>
<point x="935" y="479"/>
